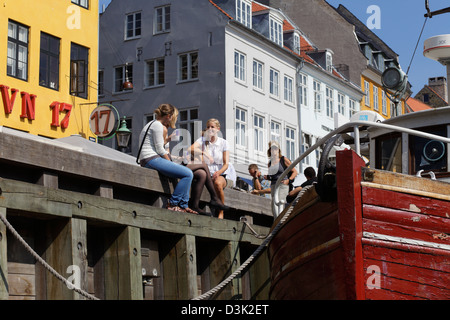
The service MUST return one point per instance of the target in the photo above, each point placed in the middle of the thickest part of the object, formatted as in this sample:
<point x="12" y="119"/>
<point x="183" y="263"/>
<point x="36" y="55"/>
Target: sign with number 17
<point x="104" y="121"/>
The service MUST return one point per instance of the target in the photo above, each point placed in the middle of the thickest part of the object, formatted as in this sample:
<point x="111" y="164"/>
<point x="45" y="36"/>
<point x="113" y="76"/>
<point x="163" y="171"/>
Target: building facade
<point x="358" y="53"/>
<point x="234" y="60"/>
<point x="48" y="78"/>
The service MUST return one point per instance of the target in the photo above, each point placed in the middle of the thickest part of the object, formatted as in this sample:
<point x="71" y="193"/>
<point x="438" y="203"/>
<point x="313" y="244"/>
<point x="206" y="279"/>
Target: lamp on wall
<point x="123" y="135"/>
<point x="127" y="85"/>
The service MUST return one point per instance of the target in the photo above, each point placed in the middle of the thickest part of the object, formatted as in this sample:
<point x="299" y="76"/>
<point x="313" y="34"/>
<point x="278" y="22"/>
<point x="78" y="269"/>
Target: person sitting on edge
<point x="310" y="175"/>
<point x="261" y="186"/>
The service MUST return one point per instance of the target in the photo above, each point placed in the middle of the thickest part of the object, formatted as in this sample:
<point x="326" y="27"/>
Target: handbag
<point x="142" y="143"/>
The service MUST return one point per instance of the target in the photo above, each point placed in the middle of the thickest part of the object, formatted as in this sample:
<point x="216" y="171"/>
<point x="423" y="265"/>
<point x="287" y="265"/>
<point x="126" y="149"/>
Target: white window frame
<point x="317" y="96"/>
<point x="241" y="127"/>
<point x="296" y="43"/>
<point x="329" y="102"/>
<point x="288" y="89"/>
<point x="275" y="131"/>
<point x="244" y="12"/>
<point x="367" y="93"/>
<point x="258" y="75"/>
<point x="240" y="66"/>
<point x="188" y="121"/>
<point x="190" y="65"/>
<point x="290" y="143"/>
<point x="123" y="78"/>
<point x="274" y="83"/>
<point x="303" y="89"/>
<point x="306" y="144"/>
<point x="162" y="19"/>
<point x="258" y="133"/>
<point x="149" y="82"/>
<point x="341" y="103"/>
<point x="375" y="98"/>
<point x="352" y="107"/>
<point x="383" y="103"/>
<point x="276" y="31"/>
<point x="135" y="26"/>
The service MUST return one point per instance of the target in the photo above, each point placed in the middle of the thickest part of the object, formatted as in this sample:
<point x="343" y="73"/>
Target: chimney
<point x="439" y="85"/>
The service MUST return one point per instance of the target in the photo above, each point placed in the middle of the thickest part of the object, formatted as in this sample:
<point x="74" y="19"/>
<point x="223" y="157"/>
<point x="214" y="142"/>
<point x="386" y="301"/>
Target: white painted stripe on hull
<point x="427" y="244"/>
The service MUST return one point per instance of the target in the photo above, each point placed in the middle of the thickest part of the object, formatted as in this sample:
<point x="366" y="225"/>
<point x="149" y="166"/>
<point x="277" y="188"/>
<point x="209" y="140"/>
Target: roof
<point x="416" y="105"/>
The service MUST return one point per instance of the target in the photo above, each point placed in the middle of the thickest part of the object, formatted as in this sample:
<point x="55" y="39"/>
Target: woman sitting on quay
<point x="214" y="151"/>
<point x="202" y="176"/>
<point x="153" y="155"/>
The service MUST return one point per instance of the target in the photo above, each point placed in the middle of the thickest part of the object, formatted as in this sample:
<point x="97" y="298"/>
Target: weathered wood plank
<point x="40" y="200"/>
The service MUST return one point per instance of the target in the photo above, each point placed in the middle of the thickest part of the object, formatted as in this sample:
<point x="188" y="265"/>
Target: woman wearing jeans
<point x="154" y="156"/>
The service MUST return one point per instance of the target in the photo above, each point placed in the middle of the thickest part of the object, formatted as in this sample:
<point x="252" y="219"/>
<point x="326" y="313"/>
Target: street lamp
<point x="123" y="135"/>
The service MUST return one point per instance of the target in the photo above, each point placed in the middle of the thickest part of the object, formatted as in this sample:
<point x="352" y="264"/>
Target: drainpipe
<point x="300" y="66"/>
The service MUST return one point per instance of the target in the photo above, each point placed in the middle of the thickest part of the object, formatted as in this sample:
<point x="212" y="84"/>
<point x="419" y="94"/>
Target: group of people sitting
<point x="205" y="166"/>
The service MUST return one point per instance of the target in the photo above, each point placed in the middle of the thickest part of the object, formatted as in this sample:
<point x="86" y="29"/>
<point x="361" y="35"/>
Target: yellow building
<point x="375" y="97"/>
<point x="48" y="66"/>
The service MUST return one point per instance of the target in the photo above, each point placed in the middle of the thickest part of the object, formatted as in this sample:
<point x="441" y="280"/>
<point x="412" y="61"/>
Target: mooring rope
<point x="243" y="266"/>
<point x="43" y="262"/>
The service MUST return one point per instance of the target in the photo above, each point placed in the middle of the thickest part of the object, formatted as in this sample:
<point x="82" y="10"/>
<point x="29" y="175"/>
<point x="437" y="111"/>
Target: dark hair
<point x="309" y="172"/>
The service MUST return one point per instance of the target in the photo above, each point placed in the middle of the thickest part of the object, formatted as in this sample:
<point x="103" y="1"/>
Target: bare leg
<point x="219" y="184"/>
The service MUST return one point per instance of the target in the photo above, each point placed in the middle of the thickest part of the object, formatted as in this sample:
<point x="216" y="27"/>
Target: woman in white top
<point x="153" y="155"/>
<point x="214" y="151"/>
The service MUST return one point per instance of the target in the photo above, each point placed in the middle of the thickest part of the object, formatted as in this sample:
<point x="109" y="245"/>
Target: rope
<point x="42" y="261"/>
<point x="221" y="285"/>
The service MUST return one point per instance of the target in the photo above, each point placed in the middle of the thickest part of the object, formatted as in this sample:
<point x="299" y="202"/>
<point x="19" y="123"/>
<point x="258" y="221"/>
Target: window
<point x="239" y="66"/>
<point x="306" y="144"/>
<point x="290" y="144"/>
<point x="375" y="98"/>
<point x="303" y="90"/>
<point x="188" y="120"/>
<point x="367" y="93"/>
<point x="276" y="34"/>
<point x="329" y="61"/>
<point x="243" y="12"/>
<point x="275" y="132"/>
<point x="258" y="125"/>
<point x="49" y="62"/>
<point x="133" y="26"/>
<point x="162" y="19"/>
<point x="296" y="43"/>
<point x="329" y="103"/>
<point x="258" y="70"/>
<point x="352" y="107"/>
<point x="383" y="102"/>
<point x="274" y="82"/>
<point x="317" y="97"/>
<point x="241" y="127"/>
<point x="154" y="72"/>
<point x="341" y="104"/>
<point x="17" y="57"/>
<point x="82" y="3"/>
<point x="188" y="66"/>
<point x="122" y="74"/>
<point x="288" y="89"/>
<point x="79" y="66"/>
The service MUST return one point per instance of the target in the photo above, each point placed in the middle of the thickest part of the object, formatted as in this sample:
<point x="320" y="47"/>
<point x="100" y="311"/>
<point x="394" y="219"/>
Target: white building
<point x="234" y="60"/>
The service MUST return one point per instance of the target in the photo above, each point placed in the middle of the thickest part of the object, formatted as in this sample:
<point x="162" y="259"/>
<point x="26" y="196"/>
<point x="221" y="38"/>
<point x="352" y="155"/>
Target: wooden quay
<point x="98" y="219"/>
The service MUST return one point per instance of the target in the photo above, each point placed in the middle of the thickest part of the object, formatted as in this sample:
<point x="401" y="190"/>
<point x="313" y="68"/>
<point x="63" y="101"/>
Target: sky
<point x="400" y="25"/>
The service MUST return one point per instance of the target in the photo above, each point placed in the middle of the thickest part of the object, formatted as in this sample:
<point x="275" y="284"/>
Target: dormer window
<point x="276" y="31"/>
<point x="296" y="43"/>
<point x="329" y="60"/>
<point x="243" y="12"/>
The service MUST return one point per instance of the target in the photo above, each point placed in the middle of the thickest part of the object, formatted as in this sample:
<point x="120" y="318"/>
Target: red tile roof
<point x="257" y="7"/>
<point x="416" y="105"/>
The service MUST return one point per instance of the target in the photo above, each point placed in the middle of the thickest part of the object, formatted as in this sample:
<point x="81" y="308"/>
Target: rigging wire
<point x="417" y="44"/>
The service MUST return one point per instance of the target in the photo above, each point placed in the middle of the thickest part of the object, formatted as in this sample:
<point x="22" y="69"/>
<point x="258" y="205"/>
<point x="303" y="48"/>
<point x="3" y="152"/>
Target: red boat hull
<point x="386" y="237"/>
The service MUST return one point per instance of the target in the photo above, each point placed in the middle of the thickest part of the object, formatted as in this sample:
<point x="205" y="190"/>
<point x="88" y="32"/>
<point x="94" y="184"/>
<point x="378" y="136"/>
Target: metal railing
<point x="356" y="130"/>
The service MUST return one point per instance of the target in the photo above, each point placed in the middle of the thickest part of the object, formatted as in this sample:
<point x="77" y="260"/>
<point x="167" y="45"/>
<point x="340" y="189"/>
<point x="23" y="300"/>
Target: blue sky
<point x="400" y="24"/>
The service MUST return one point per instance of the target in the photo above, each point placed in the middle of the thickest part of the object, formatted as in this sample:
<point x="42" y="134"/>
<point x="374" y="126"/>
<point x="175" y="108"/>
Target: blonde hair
<point x="215" y="121"/>
<point x="274" y="144"/>
<point x="164" y="109"/>
<point x="174" y="118"/>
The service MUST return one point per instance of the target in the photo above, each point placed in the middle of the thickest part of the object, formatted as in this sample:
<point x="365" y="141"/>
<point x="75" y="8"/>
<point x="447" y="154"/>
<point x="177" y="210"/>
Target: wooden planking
<point x="408" y="272"/>
<point x="4" y="286"/>
<point x="40" y="200"/>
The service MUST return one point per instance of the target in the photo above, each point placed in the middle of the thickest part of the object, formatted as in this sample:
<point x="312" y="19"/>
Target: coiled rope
<point x="42" y="261"/>
<point x="243" y="266"/>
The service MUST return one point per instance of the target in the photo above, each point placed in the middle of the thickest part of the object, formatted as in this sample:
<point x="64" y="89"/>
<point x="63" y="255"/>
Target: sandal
<point x="174" y="208"/>
<point x="189" y="210"/>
